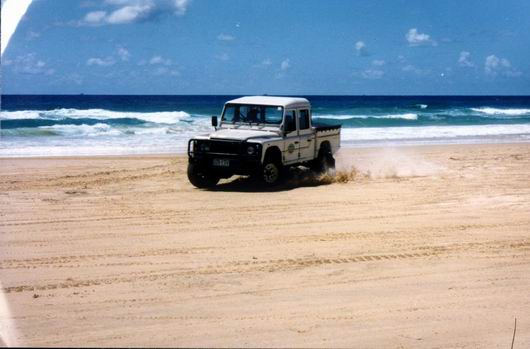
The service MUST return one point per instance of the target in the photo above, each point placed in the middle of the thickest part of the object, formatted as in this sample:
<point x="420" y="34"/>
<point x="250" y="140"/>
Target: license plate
<point x="221" y="162"/>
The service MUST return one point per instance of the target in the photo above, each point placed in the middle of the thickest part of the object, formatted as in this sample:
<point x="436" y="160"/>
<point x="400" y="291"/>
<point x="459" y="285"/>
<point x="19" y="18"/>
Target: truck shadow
<point x="295" y="178"/>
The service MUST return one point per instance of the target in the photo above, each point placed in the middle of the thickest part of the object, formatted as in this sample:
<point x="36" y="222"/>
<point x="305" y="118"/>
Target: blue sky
<point x="274" y="47"/>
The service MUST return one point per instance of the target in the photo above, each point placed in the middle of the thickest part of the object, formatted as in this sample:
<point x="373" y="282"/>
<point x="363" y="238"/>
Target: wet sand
<point x="419" y="247"/>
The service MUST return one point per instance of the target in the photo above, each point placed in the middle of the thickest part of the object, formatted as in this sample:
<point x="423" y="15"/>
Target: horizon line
<point x="305" y="95"/>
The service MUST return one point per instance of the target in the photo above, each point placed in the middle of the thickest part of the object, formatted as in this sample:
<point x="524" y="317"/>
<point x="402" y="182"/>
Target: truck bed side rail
<point x="322" y="127"/>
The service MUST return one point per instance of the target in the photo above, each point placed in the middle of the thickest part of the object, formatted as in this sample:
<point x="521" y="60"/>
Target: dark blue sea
<point x="98" y="125"/>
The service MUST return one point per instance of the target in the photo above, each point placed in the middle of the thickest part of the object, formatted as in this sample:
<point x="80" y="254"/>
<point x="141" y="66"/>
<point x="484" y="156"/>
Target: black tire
<point x="200" y="178"/>
<point x="271" y="173"/>
<point x="324" y="163"/>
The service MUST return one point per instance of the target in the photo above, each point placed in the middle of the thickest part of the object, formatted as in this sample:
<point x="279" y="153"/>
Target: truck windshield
<point x="252" y="114"/>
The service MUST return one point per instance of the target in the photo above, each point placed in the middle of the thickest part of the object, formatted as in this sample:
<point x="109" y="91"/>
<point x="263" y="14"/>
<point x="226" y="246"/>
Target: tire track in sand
<point x="232" y="267"/>
<point x="274" y="265"/>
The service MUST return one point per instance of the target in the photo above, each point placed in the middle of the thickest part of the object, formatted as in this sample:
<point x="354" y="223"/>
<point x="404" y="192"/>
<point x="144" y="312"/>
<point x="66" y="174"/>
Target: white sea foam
<point x="83" y="130"/>
<point x="18" y="115"/>
<point x="499" y="111"/>
<point x="102" y="138"/>
<point x="168" y="117"/>
<point x="170" y="140"/>
<point x="404" y="116"/>
<point x="431" y="132"/>
<point x="85" y="146"/>
<point x="100" y="129"/>
<point x="182" y="130"/>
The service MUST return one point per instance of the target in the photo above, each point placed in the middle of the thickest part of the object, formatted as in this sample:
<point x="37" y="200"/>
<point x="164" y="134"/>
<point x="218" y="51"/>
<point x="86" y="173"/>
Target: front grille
<point x="224" y="147"/>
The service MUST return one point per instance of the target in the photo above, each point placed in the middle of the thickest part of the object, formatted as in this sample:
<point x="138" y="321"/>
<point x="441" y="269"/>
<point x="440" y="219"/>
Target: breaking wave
<point x="501" y="111"/>
<point x="90" y="129"/>
<point x="165" y="117"/>
<point x="403" y="116"/>
<point x="81" y="130"/>
<point x="354" y="135"/>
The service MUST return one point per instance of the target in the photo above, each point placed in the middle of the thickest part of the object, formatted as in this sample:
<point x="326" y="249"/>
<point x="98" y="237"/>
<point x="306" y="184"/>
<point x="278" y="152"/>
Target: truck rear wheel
<point x="200" y="178"/>
<point x="324" y="163"/>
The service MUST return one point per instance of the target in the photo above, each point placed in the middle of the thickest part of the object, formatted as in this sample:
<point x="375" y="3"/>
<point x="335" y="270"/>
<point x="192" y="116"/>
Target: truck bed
<point x="322" y="127"/>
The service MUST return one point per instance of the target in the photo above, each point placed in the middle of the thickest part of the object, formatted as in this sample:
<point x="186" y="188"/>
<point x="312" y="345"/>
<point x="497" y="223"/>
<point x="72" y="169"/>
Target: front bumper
<point x="237" y="160"/>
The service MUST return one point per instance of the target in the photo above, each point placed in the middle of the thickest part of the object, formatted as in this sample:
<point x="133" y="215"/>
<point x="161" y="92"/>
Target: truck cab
<point x="261" y="136"/>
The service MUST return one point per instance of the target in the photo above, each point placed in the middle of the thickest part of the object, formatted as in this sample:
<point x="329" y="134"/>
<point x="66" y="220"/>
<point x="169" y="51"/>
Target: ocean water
<point x="100" y="125"/>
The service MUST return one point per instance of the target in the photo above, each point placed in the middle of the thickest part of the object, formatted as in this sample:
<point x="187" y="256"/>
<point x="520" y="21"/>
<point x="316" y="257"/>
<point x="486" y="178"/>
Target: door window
<point x="290" y="121"/>
<point x="304" y="119"/>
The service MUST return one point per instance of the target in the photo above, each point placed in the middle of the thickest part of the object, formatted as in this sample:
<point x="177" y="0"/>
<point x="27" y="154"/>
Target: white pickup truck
<point x="261" y="136"/>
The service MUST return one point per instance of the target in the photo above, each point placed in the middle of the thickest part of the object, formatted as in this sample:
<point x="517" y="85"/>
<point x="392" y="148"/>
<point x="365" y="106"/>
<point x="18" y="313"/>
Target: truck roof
<point x="286" y="102"/>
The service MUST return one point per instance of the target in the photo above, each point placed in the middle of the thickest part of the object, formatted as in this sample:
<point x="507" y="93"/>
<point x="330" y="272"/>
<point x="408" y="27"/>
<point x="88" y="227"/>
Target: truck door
<point x="291" y="142"/>
<point x="307" y="136"/>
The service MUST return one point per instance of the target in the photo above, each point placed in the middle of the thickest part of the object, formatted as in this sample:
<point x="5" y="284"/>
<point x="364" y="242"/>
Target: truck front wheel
<point x="271" y="173"/>
<point x="200" y="178"/>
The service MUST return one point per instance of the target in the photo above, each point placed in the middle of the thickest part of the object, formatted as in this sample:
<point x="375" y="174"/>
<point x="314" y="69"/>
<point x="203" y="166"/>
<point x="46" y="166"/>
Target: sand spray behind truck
<point x="381" y="163"/>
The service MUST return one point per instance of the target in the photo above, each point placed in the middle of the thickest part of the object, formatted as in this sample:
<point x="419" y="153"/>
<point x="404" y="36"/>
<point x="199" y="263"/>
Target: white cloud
<point x="360" y="48"/>
<point x="359" y="45"/>
<point x="372" y="74"/>
<point x="464" y="61"/>
<point x="158" y="65"/>
<point x="29" y="64"/>
<point x="416" y="38"/>
<point x="131" y="11"/>
<point x="225" y="37"/>
<point x="494" y="63"/>
<point x="159" y="60"/>
<point x="267" y="62"/>
<point x="284" y="66"/>
<point x="165" y="71"/>
<point x="95" y="17"/>
<point x="378" y="62"/>
<point x="130" y="14"/>
<point x="494" y="66"/>
<point x="223" y="57"/>
<point x="75" y="78"/>
<point x="123" y="53"/>
<point x="32" y="35"/>
<point x="68" y="79"/>
<point x="413" y="69"/>
<point x="181" y="6"/>
<point x="102" y="62"/>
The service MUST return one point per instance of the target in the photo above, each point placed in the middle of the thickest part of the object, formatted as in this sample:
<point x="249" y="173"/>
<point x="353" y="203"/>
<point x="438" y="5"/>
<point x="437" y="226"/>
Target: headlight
<point x="253" y="149"/>
<point x="204" y="147"/>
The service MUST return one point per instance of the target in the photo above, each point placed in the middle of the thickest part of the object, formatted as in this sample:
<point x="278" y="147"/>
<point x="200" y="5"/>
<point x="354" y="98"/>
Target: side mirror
<point x="214" y="121"/>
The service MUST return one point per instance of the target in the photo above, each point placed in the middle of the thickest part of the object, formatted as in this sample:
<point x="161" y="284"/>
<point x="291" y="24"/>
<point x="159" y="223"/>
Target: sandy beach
<point x="417" y="247"/>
